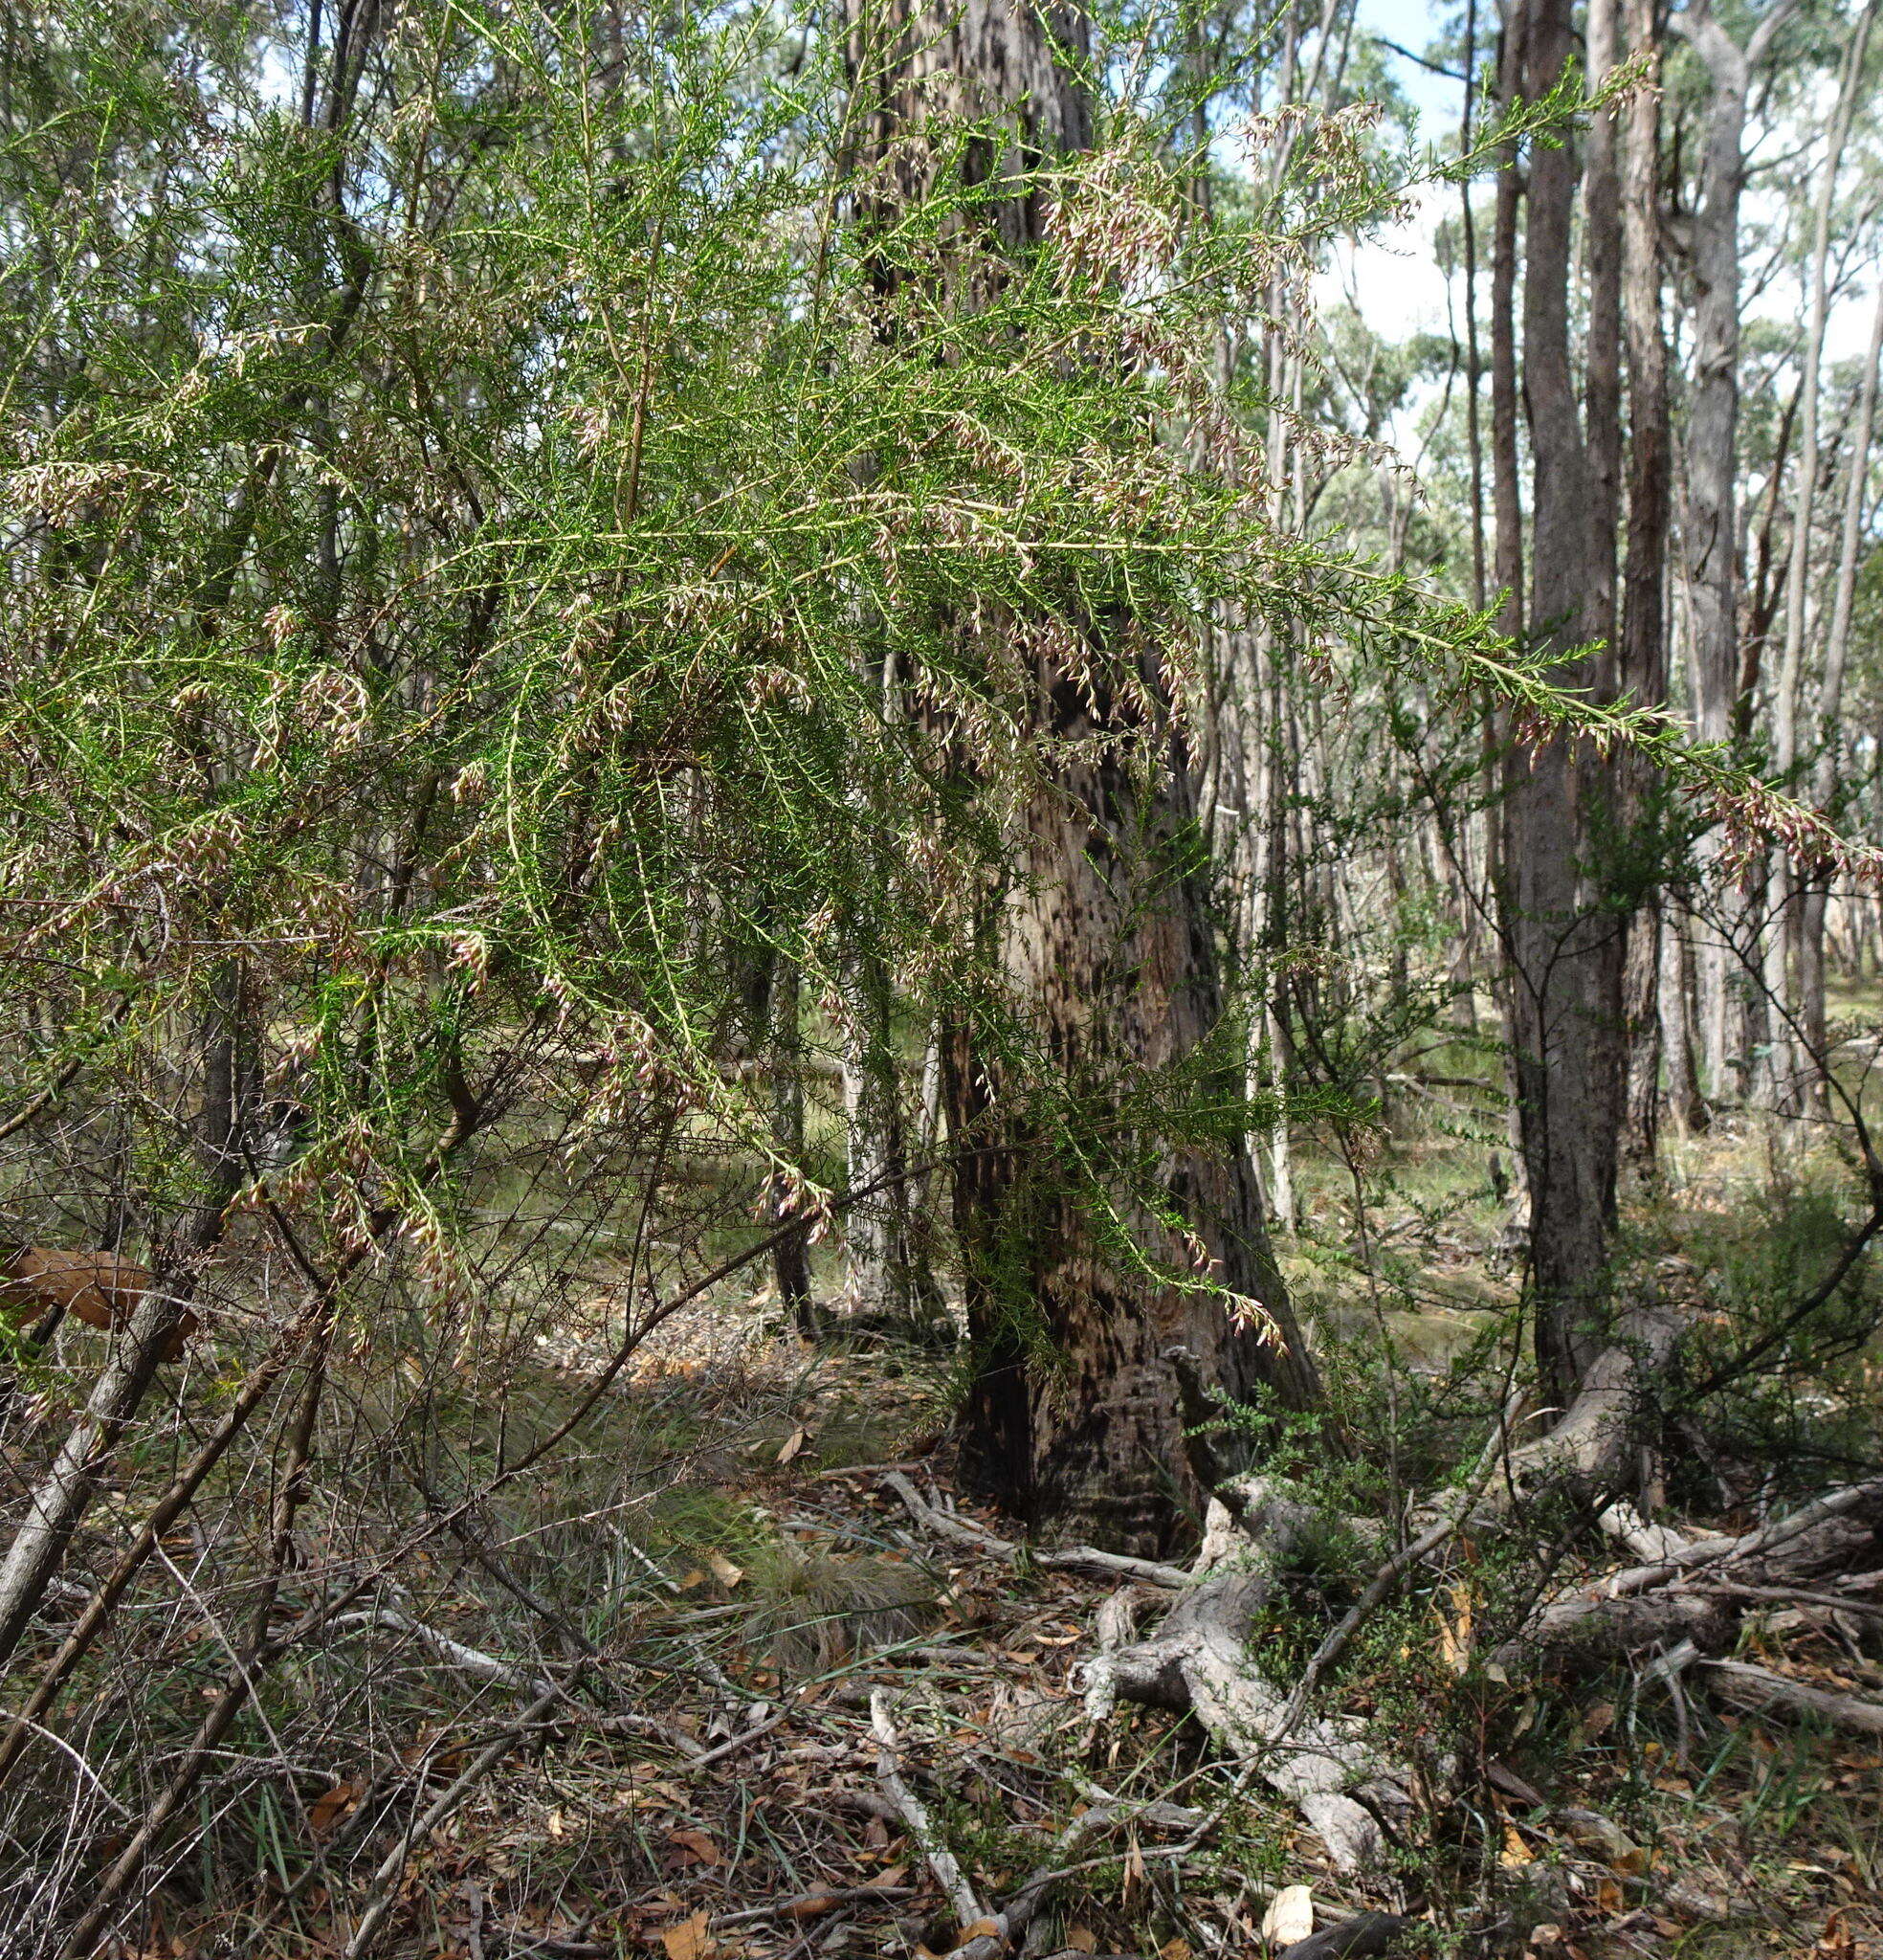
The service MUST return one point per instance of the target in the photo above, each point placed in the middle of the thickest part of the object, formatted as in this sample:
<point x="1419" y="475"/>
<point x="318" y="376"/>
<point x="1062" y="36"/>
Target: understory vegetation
<point x="887" y="1066"/>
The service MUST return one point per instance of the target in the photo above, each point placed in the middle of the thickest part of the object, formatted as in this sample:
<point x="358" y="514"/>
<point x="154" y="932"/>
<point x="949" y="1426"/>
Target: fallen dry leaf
<point x="1081" y="1939"/>
<point x="724" y="1571"/>
<point x="1455" y="1629"/>
<point x="689" y="1940"/>
<point x="1134" y="1875"/>
<point x="695" y="1847"/>
<point x="326" y="1809"/>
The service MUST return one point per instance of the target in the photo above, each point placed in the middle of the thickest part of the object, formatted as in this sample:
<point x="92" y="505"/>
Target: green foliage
<point x="1772" y="1379"/>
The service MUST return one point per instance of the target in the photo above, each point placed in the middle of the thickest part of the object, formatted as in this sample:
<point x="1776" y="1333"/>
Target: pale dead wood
<point x="1078" y="1558"/>
<point x="1691" y="1595"/>
<point x="1758" y="1688"/>
<point x="928" y="1840"/>
<point x="471" y="1660"/>
<point x="1198" y="1662"/>
<point x="383" y="1893"/>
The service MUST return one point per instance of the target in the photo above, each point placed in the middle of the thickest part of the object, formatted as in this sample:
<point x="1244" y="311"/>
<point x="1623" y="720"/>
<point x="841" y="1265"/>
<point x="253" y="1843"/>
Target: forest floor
<point x="749" y="1810"/>
<point x="712" y="1781"/>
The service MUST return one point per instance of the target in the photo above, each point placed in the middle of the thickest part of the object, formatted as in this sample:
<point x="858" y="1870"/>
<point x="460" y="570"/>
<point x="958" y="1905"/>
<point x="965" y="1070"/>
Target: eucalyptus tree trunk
<point x="1602" y="331"/>
<point x="1507" y="507"/>
<point x="1641" y="653"/>
<point x="1830" y="698"/>
<point x="887" y="1277"/>
<point x="1070" y="1418"/>
<point x="1795" y="1083"/>
<point x="1564" y="948"/>
<point x="1709" y="543"/>
<point x="774" y="1041"/>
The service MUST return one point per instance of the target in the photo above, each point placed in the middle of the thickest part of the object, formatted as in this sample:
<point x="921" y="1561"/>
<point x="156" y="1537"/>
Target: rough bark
<point x="1602" y="332"/>
<point x="887" y="1276"/>
<point x="1070" y="1421"/>
<point x="1104" y="944"/>
<point x="1564" y="948"/>
<point x="1641" y="653"/>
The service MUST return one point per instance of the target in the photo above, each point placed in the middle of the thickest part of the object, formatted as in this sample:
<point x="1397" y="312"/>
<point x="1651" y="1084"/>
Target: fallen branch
<point x="1366" y="1933"/>
<point x="1758" y="1688"/>
<point x="928" y="1840"/>
<point x="1696" y="1594"/>
<point x="1724" y="1550"/>
<point x="1008" y="1928"/>
<point x="471" y="1660"/>
<point x="1078" y="1558"/>
<point x="1790" y="1596"/>
<point x="744" y="1738"/>
<point x="810" y="1904"/>
<point x="383" y="1893"/>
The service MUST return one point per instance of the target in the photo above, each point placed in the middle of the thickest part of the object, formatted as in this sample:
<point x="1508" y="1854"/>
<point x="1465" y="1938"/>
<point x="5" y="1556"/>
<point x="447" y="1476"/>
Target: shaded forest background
<point x="888" y="1068"/>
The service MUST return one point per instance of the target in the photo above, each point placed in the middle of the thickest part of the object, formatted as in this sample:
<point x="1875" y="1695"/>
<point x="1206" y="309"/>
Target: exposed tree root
<point x="1689" y="1594"/>
<point x="1198" y="1660"/>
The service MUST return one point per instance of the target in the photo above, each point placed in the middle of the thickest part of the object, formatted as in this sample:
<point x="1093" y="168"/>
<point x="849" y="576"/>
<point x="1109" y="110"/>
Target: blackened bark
<point x="1105" y="943"/>
<point x="1070" y="1420"/>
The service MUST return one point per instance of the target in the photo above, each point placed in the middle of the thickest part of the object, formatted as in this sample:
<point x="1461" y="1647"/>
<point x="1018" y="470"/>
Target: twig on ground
<point x="811" y="1905"/>
<point x="942" y="1862"/>
<point x="383" y="1893"/>
<point x="1078" y="1558"/>
<point x="471" y="1660"/>
<point x="1788" y="1595"/>
<point x="743" y="1740"/>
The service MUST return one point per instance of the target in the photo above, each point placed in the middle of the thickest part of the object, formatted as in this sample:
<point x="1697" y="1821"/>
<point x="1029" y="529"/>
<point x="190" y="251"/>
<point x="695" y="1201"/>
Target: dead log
<point x="1701" y="1591"/>
<point x="1757" y="1689"/>
<point x="1366" y="1933"/>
